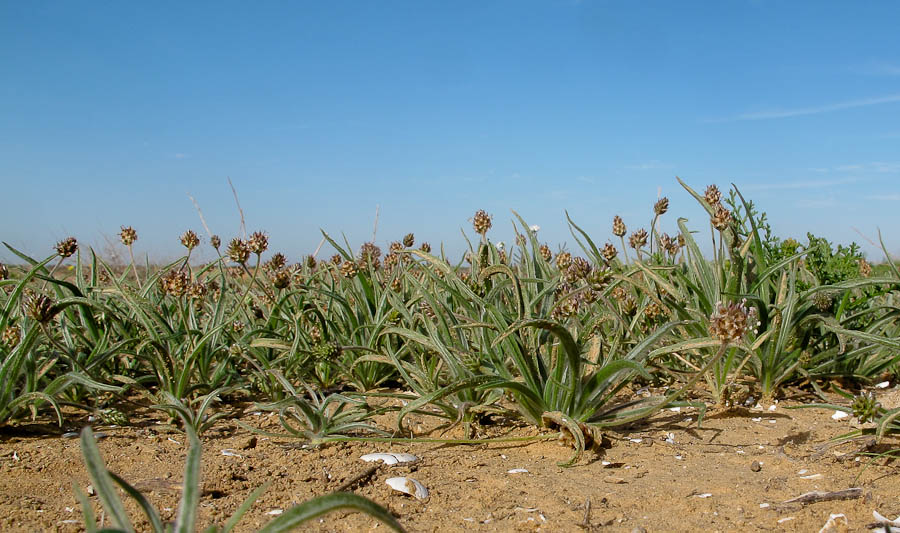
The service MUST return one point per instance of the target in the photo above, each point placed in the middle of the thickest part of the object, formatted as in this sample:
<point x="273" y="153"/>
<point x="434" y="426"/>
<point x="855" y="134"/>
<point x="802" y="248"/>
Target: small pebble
<point x="248" y="443"/>
<point x="755" y="466"/>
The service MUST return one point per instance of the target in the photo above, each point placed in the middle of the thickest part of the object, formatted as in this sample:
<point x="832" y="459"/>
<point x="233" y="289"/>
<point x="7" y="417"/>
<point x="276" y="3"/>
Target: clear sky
<point x="112" y="113"/>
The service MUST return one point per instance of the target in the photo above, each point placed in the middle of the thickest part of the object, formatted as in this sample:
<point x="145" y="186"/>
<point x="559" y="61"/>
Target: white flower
<point x="535" y="228"/>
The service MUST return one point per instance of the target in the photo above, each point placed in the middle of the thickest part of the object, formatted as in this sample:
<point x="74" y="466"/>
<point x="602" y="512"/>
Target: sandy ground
<point x="667" y="474"/>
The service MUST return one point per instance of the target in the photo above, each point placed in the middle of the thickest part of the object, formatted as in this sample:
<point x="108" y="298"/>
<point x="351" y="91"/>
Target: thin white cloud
<point x="881" y="167"/>
<point x="800" y="111"/>
<point x="810" y="184"/>
<point x="649" y="165"/>
<point x="181" y="156"/>
<point x="895" y="197"/>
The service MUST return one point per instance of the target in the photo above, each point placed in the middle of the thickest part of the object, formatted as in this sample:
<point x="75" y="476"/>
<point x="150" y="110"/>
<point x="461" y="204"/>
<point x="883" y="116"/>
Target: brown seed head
<point x="618" y="227"/>
<point x="190" y="240"/>
<point x="215" y="241"/>
<point x="336" y="259"/>
<point x="661" y="206"/>
<point x="258" y="242"/>
<point x="481" y="222"/>
<point x="127" y="235"/>
<point x="409" y="240"/>
<point x="681" y="241"/>
<point x="563" y="260"/>
<point x="281" y="279"/>
<point x="38" y="307"/>
<point x="175" y="282"/>
<point x="276" y="262"/>
<point x="11" y="337"/>
<point x="865" y="269"/>
<point x="712" y="195"/>
<point x="238" y="251"/>
<point x="426" y="309"/>
<point x="729" y="323"/>
<point x="197" y="290"/>
<point x="638" y="238"/>
<point x="67" y="247"/>
<point x="545" y="252"/>
<point x="580" y="268"/>
<point x="348" y="269"/>
<point x="4" y="272"/>
<point x="722" y="218"/>
<point x="425" y="247"/>
<point x="609" y="252"/>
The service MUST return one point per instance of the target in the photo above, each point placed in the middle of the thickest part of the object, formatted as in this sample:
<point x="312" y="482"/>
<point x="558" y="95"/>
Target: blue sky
<point x="112" y="113"/>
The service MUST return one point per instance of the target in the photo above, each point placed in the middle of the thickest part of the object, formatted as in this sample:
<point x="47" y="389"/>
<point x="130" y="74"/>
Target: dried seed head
<point x="175" y="282"/>
<point x="712" y="195"/>
<point x="425" y="247"/>
<point x="409" y="240"/>
<point x="258" y="242"/>
<point x="731" y="322"/>
<point x="11" y="337"/>
<point x="215" y="241"/>
<point x="652" y="311"/>
<point x="391" y="260"/>
<point x="127" y="235"/>
<point x="501" y="255"/>
<point x="426" y="309"/>
<point x="681" y="240"/>
<point x="481" y="222"/>
<point x="197" y="290"/>
<point x="545" y="252"/>
<point x="580" y="268"/>
<point x="520" y="240"/>
<point x="38" y="307"/>
<point x="619" y="293"/>
<point x="348" y="269"/>
<point x="238" y="251"/>
<point x="618" y="227"/>
<point x="609" y="252"/>
<point x="661" y="206"/>
<point x="865" y="407"/>
<point x="276" y="262"/>
<point x="638" y="238"/>
<point x="722" y="218"/>
<point x="563" y="260"/>
<point x="371" y="254"/>
<point x="4" y="272"/>
<point x="310" y="262"/>
<point x="397" y="284"/>
<point x="190" y="240"/>
<point x="865" y="269"/>
<point x="336" y="259"/>
<point x="67" y="247"/>
<point x="237" y="326"/>
<point x="281" y="279"/>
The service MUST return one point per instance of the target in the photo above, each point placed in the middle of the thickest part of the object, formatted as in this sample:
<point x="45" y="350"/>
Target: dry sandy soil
<point x="733" y="473"/>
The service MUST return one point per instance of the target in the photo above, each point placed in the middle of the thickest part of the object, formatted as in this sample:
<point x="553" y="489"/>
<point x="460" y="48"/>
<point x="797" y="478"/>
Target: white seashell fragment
<point x="772" y="407"/>
<point x="883" y="385"/>
<point x="757" y="419"/>
<point x="390" y="458"/>
<point x="409" y="486"/>
<point x="517" y="471"/>
<point x="885" y="521"/>
<point x="227" y="452"/>
<point x="839" y="415"/>
<point x="811" y="476"/>
<point x="704" y="495"/>
<point x="275" y="512"/>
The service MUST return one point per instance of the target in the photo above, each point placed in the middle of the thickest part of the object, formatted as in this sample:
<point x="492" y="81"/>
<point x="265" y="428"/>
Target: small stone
<point x="639" y="529"/>
<point x="755" y="466"/>
<point x="249" y="443"/>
